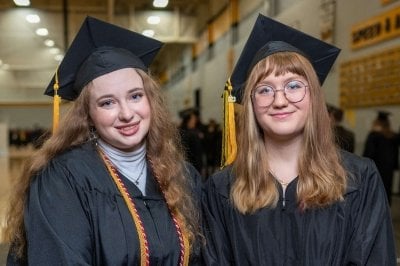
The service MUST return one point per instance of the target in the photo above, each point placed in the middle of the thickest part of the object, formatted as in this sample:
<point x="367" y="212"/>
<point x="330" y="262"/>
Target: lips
<point x="281" y="115"/>
<point x="128" y="130"/>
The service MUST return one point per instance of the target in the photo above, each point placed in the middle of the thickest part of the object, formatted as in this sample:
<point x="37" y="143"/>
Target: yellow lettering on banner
<point x="379" y="28"/>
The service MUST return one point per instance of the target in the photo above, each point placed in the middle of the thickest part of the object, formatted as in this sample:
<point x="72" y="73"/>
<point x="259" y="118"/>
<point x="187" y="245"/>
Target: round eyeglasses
<point x="294" y="91"/>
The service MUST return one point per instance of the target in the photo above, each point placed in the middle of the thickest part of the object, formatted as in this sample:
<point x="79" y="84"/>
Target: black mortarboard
<point x="100" y="48"/>
<point x="268" y="37"/>
<point x="383" y="115"/>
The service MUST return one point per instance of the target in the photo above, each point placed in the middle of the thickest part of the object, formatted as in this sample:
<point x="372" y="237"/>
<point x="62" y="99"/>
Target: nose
<point x="125" y="113"/>
<point x="280" y="99"/>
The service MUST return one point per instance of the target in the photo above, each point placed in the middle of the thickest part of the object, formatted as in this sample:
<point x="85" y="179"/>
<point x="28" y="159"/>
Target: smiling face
<point x="119" y="109"/>
<point x="282" y="119"/>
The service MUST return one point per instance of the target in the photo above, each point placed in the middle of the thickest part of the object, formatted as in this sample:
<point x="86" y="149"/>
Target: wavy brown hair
<point x="322" y="178"/>
<point x="164" y="151"/>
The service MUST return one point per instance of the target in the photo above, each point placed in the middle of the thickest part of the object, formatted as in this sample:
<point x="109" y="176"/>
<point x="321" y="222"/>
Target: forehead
<point x="116" y="82"/>
<point x="282" y="77"/>
<point x="120" y="76"/>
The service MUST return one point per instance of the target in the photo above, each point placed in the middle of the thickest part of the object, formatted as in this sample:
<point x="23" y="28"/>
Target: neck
<point x="283" y="158"/>
<point x="123" y="156"/>
<point x="132" y="165"/>
<point x="284" y="150"/>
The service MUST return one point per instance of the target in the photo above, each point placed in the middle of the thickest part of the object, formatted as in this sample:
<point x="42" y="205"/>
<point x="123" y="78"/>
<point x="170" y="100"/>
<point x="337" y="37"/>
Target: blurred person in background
<point x="382" y="146"/>
<point x="212" y="145"/>
<point x="344" y="137"/>
<point x="192" y="137"/>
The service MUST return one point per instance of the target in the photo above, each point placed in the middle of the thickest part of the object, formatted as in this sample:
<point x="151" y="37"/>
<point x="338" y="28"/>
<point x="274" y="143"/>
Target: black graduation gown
<point x="384" y="151"/>
<point x="356" y="231"/>
<point x="75" y="215"/>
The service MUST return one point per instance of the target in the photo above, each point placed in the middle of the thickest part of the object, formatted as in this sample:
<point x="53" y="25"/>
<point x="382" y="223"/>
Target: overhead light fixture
<point x="54" y="50"/>
<point x="148" y="33"/>
<point x="49" y="43"/>
<point x="160" y="3"/>
<point x="22" y="2"/>
<point x="42" y="32"/>
<point x="32" y="18"/>
<point x="153" y="20"/>
<point x="58" y="57"/>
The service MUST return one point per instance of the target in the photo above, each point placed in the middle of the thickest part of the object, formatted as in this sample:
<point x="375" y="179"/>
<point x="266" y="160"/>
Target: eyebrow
<point x="112" y="95"/>
<point x="295" y="77"/>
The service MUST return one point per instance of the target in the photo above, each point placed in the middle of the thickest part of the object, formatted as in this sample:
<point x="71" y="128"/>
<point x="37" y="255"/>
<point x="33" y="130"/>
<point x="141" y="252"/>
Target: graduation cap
<point x="100" y="48"/>
<point x="383" y="116"/>
<point x="335" y="111"/>
<point x="268" y="37"/>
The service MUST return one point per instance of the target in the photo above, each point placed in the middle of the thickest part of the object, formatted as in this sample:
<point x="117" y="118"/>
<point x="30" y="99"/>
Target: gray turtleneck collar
<point x="132" y="164"/>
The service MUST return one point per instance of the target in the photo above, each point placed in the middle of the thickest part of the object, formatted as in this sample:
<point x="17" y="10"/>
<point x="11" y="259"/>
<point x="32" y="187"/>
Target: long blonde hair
<point x="163" y="150"/>
<point x="322" y="178"/>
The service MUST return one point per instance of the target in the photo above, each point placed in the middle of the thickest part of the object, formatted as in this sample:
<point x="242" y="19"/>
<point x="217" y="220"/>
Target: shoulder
<point x="80" y="153"/>
<point x="220" y="182"/>
<point x="85" y="155"/>
<point x="192" y="175"/>
<point x="362" y="171"/>
<point x="80" y="165"/>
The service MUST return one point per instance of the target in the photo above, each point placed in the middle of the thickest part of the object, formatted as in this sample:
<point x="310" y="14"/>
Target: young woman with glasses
<point x="291" y="197"/>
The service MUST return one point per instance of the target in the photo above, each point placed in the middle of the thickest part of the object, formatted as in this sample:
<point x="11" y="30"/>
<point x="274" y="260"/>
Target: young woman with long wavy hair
<point x="110" y="186"/>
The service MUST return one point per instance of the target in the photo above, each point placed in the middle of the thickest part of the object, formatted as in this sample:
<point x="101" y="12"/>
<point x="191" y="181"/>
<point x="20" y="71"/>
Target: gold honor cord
<point x="144" y="247"/>
<point x="183" y="238"/>
<point x="56" y="103"/>
<point x="229" y="146"/>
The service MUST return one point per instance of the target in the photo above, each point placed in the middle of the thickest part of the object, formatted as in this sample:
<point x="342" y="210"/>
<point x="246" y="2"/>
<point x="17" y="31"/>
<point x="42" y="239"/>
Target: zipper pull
<point x="283" y="198"/>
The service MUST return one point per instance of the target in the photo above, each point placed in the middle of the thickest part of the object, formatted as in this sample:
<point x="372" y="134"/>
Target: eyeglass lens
<point x="294" y="91"/>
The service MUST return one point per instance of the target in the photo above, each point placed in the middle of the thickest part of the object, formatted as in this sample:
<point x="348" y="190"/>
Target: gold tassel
<point x="56" y="103"/>
<point x="229" y="146"/>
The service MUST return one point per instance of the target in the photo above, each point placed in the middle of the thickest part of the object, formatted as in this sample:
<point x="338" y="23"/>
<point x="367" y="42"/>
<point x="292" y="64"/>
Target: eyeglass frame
<point x="276" y="90"/>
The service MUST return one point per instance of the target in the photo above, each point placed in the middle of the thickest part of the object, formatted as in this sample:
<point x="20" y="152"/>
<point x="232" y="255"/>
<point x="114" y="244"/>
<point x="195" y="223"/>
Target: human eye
<point x="264" y="90"/>
<point x="106" y="103"/>
<point x="294" y="85"/>
<point x="137" y="95"/>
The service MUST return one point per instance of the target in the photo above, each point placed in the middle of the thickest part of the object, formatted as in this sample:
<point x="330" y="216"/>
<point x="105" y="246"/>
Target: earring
<point x="92" y="134"/>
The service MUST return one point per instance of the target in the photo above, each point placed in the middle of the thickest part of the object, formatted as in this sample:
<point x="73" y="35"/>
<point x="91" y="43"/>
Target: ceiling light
<point x="54" y="50"/>
<point x="58" y="57"/>
<point x="32" y="18"/>
<point x="42" y="32"/>
<point x="22" y="2"/>
<point x="153" y="20"/>
<point x="148" y="33"/>
<point x="160" y="3"/>
<point x="49" y="43"/>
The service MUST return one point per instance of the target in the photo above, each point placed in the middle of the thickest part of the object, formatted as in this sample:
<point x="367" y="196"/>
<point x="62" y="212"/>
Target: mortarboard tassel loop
<point x="229" y="146"/>
<point x="56" y="103"/>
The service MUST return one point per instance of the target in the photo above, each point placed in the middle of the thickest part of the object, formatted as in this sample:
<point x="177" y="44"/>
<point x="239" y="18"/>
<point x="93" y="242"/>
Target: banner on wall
<point x="371" y="80"/>
<point x="376" y="29"/>
<point x="386" y="2"/>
